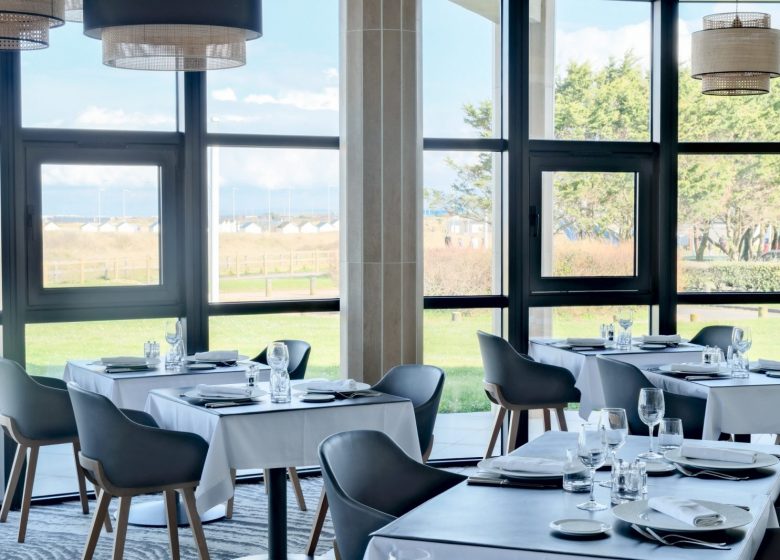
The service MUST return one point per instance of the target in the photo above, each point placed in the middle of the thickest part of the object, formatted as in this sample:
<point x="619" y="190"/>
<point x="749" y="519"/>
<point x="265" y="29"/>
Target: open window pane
<point x="100" y="225"/>
<point x="565" y="322"/>
<point x="728" y="237"/>
<point x="588" y="224"/>
<point x="274" y="224"/>
<point x="590" y="69"/>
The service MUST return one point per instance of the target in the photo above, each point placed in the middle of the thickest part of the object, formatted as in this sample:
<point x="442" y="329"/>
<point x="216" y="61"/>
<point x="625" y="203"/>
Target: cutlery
<point x="705" y="377"/>
<point x="715" y="474"/>
<point x="675" y="540"/>
<point x="226" y="404"/>
<point x="490" y="481"/>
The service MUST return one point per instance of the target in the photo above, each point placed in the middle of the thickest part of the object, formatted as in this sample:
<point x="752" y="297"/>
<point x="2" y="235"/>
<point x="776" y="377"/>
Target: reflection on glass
<point x="565" y="322"/>
<point x="590" y="70"/>
<point x="728" y="233"/>
<point x="101" y="225"/>
<point x="460" y="242"/>
<point x="290" y="84"/>
<point x="588" y="224"/>
<point x="461" y="68"/>
<point x="67" y="86"/>
<point x="274" y="224"/>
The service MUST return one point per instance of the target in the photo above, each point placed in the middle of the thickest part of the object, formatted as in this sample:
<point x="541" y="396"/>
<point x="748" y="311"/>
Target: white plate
<point x="197" y="366"/>
<point x="722" y="371"/>
<point x="659" y="467"/>
<point x="318" y="397"/>
<point x="580" y="527"/>
<point x="641" y="514"/>
<point x="762" y="460"/>
<point x="256" y="393"/>
<point x="653" y="346"/>
<point x="192" y="359"/>
<point x="487" y="466"/>
<point x="306" y="388"/>
<point x="150" y="362"/>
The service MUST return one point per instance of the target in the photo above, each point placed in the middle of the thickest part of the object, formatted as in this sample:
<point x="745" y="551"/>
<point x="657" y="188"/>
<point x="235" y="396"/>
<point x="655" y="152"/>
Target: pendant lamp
<point x="736" y="54"/>
<point x="173" y="35"/>
<point x="25" y="24"/>
<point x="74" y="10"/>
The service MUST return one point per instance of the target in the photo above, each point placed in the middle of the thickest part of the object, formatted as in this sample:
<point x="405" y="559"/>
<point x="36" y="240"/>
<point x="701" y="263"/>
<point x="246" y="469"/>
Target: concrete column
<point x="381" y="187"/>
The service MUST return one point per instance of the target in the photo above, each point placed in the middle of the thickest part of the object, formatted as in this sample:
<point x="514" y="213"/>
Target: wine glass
<point x="615" y="425"/>
<point x="174" y="335"/>
<point x="626" y="321"/>
<point x="278" y="356"/>
<point x="651" y="410"/>
<point x="592" y="451"/>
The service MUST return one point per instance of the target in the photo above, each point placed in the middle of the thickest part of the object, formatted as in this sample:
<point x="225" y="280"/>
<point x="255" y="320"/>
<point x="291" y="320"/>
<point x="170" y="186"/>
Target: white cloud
<point x="227" y="94"/>
<point x="598" y="45"/>
<point x="100" y="176"/>
<point x="102" y="117"/>
<point x="331" y="73"/>
<point x="279" y="168"/>
<point x="326" y="100"/>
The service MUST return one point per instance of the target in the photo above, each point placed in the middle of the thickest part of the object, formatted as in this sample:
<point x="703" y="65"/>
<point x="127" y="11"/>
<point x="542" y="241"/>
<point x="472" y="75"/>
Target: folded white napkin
<point x="123" y="361"/>
<point x="218" y="356"/>
<point x="540" y="465"/>
<point x="768" y="364"/>
<point x="718" y="454"/>
<point x="334" y="386"/>
<point x="662" y="339"/>
<point x="221" y="390"/>
<point x="686" y="511"/>
<point x="695" y="368"/>
<point x="586" y="341"/>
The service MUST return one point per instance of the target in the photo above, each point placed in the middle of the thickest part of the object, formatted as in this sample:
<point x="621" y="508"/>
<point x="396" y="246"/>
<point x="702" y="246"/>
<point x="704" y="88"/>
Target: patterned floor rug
<point x="58" y="532"/>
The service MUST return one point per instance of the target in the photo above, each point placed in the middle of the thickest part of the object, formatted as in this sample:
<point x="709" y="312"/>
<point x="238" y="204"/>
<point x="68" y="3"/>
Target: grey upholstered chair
<point x="34" y="412"/>
<point x="716" y="335"/>
<point x="423" y="386"/>
<point x="298" y="351"/>
<point x="127" y="457"/>
<point x="370" y="482"/>
<point x="517" y="384"/>
<point x="622" y="382"/>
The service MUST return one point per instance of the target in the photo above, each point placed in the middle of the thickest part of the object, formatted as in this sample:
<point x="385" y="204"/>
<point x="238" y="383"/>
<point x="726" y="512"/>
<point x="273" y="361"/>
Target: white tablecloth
<point x="275" y="436"/>
<point x="129" y="390"/>
<point x="734" y="406"/>
<point x="584" y="366"/>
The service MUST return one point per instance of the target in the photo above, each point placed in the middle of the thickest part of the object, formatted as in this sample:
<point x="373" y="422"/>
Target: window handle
<point x="534" y="219"/>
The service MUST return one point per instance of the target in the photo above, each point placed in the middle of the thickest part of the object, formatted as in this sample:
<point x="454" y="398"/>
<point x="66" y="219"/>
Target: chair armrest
<point x="140" y="417"/>
<point x="50" y="382"/>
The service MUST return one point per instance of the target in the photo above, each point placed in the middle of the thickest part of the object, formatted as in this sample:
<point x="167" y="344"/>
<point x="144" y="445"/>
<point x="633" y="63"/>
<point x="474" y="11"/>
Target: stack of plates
<point x="127" y="364"/>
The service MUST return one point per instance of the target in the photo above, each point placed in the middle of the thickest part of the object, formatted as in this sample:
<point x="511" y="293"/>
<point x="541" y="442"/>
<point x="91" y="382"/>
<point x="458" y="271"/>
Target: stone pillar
<point x="381" y="192"/>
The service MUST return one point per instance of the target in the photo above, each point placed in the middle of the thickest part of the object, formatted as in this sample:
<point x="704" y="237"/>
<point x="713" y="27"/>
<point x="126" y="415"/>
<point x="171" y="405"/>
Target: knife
<point x="226" y="404"/>
<point x="477" y="481"/>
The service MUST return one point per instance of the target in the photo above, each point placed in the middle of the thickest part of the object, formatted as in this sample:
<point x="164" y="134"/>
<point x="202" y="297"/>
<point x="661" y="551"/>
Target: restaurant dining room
<point x="389" y="279"/>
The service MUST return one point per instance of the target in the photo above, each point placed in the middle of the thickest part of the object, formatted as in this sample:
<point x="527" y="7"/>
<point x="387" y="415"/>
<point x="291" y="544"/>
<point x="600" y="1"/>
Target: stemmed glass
<point x="615" y="425"/>
<point x="278" y="356"/>
<point x="626" y="321"/>
<point x="592" y="451"/>
<point x="651" y="410"/>
<point x="742" y="340"/>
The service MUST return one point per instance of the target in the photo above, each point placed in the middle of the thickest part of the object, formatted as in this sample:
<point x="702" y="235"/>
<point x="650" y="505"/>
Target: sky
<point x="291" y="86"/>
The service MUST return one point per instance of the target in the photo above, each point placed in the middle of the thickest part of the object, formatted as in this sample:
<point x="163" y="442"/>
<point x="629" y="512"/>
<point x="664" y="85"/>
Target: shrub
<point x="730" y="277"/>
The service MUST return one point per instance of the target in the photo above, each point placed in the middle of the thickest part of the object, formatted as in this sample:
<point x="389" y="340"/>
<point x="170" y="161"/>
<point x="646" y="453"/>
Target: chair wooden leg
<point x="13" y="481"/>
<point x="547" y="420"/>
<point x="171" y="518"/>
<point x="514" y="424"/>
<point x="266" y="478"/>
<point x="194" y="519"/>
<point x="500" y="413"/>
<point x="121" y="528"/>
<point x="296" y="484"/>
<point x="559" y="412"/>
<point x="231" y="501"/>
<point x="107" y="518"/>
<point x="101" y="513"/>
<point x="319" y="520"/>
<point x="81" y="480"/>
<point x="777" y="439"/>
<point x="32" y="464"/>
<point x="336" y="552"/>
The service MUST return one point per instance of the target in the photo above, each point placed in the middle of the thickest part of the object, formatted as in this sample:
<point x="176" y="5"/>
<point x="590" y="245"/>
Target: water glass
<point x="629" y="481"/>
<point x="670" y="434"/>
<point x="280" y="386"/>
<point x="742" y="341"/>
<point x="576" y="478"/>
<point x="592" y="451"/>
<point x="651" y="410"/>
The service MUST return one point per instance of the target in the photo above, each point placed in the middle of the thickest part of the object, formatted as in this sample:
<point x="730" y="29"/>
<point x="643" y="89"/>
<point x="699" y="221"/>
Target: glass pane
<point x="763" y="320"/>
<point x="462" y="248"/>
<point x="565" y="322"/>
<point x="712" y="118"/>
<point x="67" y="86"/>
<point x="290" y="84"/>
<point x="461" y="57"/>
<point x="588" y="224"/>
<point x="728" y="233"/>
<point x="249" y="334"/>
<point x="450" y="342"/>
<point x="590" y="70"/>
<point x="101" y="225"/>
<point x="274" y="224"/>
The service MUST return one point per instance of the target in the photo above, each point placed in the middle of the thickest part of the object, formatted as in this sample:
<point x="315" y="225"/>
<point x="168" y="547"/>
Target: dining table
<point x="273" y="436"/>
<point x="507" y="523"/>
<point x="583" y="364"/>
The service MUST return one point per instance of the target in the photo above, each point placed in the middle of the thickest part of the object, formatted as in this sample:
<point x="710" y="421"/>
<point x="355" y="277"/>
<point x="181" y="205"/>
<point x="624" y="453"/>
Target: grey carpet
<point x="58" y="532"/>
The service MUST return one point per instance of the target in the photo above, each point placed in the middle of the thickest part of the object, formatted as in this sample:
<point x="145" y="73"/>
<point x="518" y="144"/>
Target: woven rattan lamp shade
<point x="25" y="24"/>
<point x="736" y="54"/>
<point x="74" y="10"/>
<point x="174" y="35"/>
